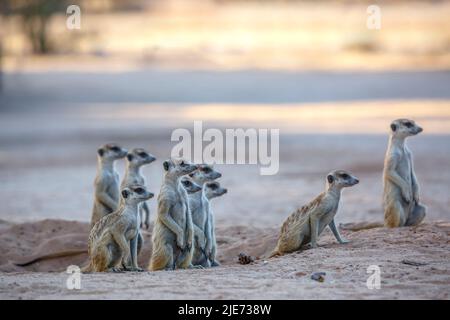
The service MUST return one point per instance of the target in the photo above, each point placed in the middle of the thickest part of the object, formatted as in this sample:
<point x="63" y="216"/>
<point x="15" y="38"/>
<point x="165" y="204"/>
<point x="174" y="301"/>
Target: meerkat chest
<point x="404" y="165"/>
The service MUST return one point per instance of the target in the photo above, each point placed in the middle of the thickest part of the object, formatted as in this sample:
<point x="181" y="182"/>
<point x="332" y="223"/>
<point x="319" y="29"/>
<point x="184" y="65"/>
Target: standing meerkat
<point x="113" y="239"/>
<point x="136" y="159"/>
<point x="199" y="206"/>
<point x="173" y="230"/>
<point x="189" y="185"/>
<point x="307" y="223"/>
<point x="106" y="185"/>
<point x="401" y="188"/>
<point x="212" y="190"/>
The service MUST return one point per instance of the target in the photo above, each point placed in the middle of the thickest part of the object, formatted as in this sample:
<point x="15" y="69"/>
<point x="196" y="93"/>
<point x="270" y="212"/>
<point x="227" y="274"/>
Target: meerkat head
<point x="205" y="173"/>
<point x="178" y="167"/>
<point x="190" y="185"/>
<point x="111" y="152"/>
<point x="403" y="128"/>
<point x="341" y="179"/>
<point x="136" y="194"/>
<point x="213" y="190"/>
<point x="139" y="157"/>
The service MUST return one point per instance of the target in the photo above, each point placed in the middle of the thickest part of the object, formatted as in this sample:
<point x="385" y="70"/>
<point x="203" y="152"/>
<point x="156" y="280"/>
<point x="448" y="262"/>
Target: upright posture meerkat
<point x="199" y="206"/>
<point x="307" y="223"/>
<point x="401" y="188"/>
<point x="189" y="184"/>
<point x="136" y="159"/>
<point x="106" y="196"/>
<point x="113" y="239"/>
<point x="212" y="190"/>
<point x="173" y="231"/>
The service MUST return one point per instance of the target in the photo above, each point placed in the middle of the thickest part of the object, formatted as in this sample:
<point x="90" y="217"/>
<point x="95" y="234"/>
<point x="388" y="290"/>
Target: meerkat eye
<point x="142" y="154"/>
<point x="186" y="183"/>
<point x="206" y="170"/>
<point x="345" y="176"/>
<point x="139" y="190"/>
<point x="409" y="124"/>
<point x="213" y="186"/>
<point x="115" y="149"/>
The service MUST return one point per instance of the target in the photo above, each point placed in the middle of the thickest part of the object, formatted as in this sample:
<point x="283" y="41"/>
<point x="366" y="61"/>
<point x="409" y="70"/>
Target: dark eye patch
<point x="345" y="176"/>
<point x="182" y="163"/>
<point x="213" y="186"/>
<point x="115" y="149"/>
<point x="139" y="190"/>
<point x="409" y="124"/>
<point x="186" y="183"/>
<point x="142" y="154"/>
<point x="206" y="170"/>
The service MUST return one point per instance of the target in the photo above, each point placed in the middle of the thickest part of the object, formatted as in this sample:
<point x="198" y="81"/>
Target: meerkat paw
<point x="215" y="264"/>
<point x="134" y="269"/>
<point x="116" y="270"/>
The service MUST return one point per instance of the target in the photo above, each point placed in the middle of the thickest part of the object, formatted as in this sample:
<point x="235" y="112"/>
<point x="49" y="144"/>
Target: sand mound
<point x="25" y="242"/>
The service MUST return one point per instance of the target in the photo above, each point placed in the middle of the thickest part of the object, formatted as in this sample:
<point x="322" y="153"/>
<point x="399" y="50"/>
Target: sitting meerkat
<point x="212" y="190"/>
<point x="173" y="231"/>
<point x="401" y="189"/>
<point x="199" y="204"/>
<point x="307" y="223"/>
<point x="113" y="239"/>
<point x="136" y="159"/>
<point x="106" y="185"/>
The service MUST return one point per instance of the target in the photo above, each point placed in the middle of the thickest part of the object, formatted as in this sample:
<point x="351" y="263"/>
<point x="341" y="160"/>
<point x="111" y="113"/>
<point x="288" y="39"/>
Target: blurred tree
<point x="35" y="15"/>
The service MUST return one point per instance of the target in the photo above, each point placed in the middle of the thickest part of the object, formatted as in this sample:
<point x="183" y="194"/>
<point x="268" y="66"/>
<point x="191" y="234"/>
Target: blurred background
<point x="138" y="69"/>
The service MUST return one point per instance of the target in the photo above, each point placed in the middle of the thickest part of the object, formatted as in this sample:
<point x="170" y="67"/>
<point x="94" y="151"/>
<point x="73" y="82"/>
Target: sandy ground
<point x="287" y="277"/>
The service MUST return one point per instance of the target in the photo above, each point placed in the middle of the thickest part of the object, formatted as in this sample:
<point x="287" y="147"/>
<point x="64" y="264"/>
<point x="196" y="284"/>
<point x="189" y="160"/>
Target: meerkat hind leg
<point x="394" y="215"/>
<point x="416" y="216"/>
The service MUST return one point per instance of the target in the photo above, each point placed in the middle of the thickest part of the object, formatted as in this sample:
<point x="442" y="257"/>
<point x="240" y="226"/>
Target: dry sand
<point x="286" y="277"/>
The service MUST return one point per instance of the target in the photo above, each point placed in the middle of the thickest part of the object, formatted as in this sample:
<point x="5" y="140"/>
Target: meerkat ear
<point x="130" y="157"/>
<point x="394" y="127"/>
<point x="330" y="178"/>
<point x="100" y="152"/>
<point x="125" y="193"/>
<point x="192" y="174"/>
<point x="166" y="165"/>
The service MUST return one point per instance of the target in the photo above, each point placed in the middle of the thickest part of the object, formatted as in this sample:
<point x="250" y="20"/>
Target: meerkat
<point x="199" y="206"/>
<point x="136" y="159"/>
<point x="401" y="201"/>
<point x="190" y="186"/>
<point x="106" y="185"/>
<point x="173" y="230"/>
<point x="307" y="223"/>
<point x="113" y="239"/>
<point x="212" y="190"/>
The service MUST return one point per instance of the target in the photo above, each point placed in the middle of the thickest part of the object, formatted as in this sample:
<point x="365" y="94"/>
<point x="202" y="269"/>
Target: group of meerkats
<point x="184" y="231"/>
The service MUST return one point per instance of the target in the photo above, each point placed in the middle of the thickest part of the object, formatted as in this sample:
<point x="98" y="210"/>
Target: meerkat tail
<point x="61" y="254"/>
<point x="360" y="226"/>
<point x="275" y="253"/>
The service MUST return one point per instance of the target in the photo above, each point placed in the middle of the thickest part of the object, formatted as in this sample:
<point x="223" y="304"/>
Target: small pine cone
<point x="245" y="259"/>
